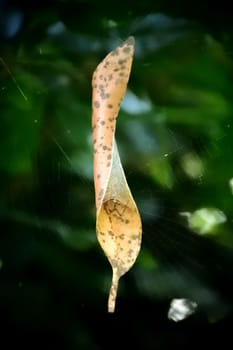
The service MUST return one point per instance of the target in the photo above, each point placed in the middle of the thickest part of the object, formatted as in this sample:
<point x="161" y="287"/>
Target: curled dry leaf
<point x="118" y="222"/>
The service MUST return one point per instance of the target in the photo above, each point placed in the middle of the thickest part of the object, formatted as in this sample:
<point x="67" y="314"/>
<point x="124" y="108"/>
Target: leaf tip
<point x="130" y="41"/>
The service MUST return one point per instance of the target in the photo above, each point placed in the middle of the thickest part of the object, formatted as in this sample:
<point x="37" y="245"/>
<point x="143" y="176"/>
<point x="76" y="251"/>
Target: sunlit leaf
<point x="118" y="222"/>
<point x="205" y="220"/>
<point x="192" y="165"/>
<point x="181" y="309"/>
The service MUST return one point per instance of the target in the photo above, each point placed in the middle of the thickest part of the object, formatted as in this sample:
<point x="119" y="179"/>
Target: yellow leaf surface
<point x="118" y="222"/>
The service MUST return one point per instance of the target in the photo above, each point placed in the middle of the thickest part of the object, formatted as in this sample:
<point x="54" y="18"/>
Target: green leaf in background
<point x="206" y="220"/>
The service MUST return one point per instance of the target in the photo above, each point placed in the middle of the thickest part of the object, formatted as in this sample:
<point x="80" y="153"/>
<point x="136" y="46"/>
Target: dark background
<point x="175" y="140"/>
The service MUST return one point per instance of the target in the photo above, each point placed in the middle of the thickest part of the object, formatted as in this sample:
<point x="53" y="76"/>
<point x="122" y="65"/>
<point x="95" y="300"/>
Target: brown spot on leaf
<point x="96" y="104"/>
<point x="115" y="52"/>
<point x="134" y="237"/>
<point x="104" y="96"/>
<point x="121" y="62"/>
<point x="127" y="50"/>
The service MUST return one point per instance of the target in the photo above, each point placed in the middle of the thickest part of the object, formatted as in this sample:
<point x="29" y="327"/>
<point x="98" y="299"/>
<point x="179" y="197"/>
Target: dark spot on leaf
<point x="96" y="104"/>
<point x="127" y="50"/>
<point x="110" y="233"/>
<point x="121" y="62"/>
<point x="134" y="236"/>
<point x="115" y="52"/>
<point x="104" y="96"/>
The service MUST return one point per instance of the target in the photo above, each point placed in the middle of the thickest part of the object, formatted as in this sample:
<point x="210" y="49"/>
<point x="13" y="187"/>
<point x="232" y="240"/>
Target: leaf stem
<point x="113" y="290"/>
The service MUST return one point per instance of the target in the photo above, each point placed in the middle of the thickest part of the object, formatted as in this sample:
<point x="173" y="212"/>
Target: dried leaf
<point x="118" y="222"/>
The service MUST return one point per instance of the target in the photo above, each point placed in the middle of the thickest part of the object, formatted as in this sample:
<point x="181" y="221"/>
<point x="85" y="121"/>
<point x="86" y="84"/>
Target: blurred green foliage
<point x="174" y="135"/>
